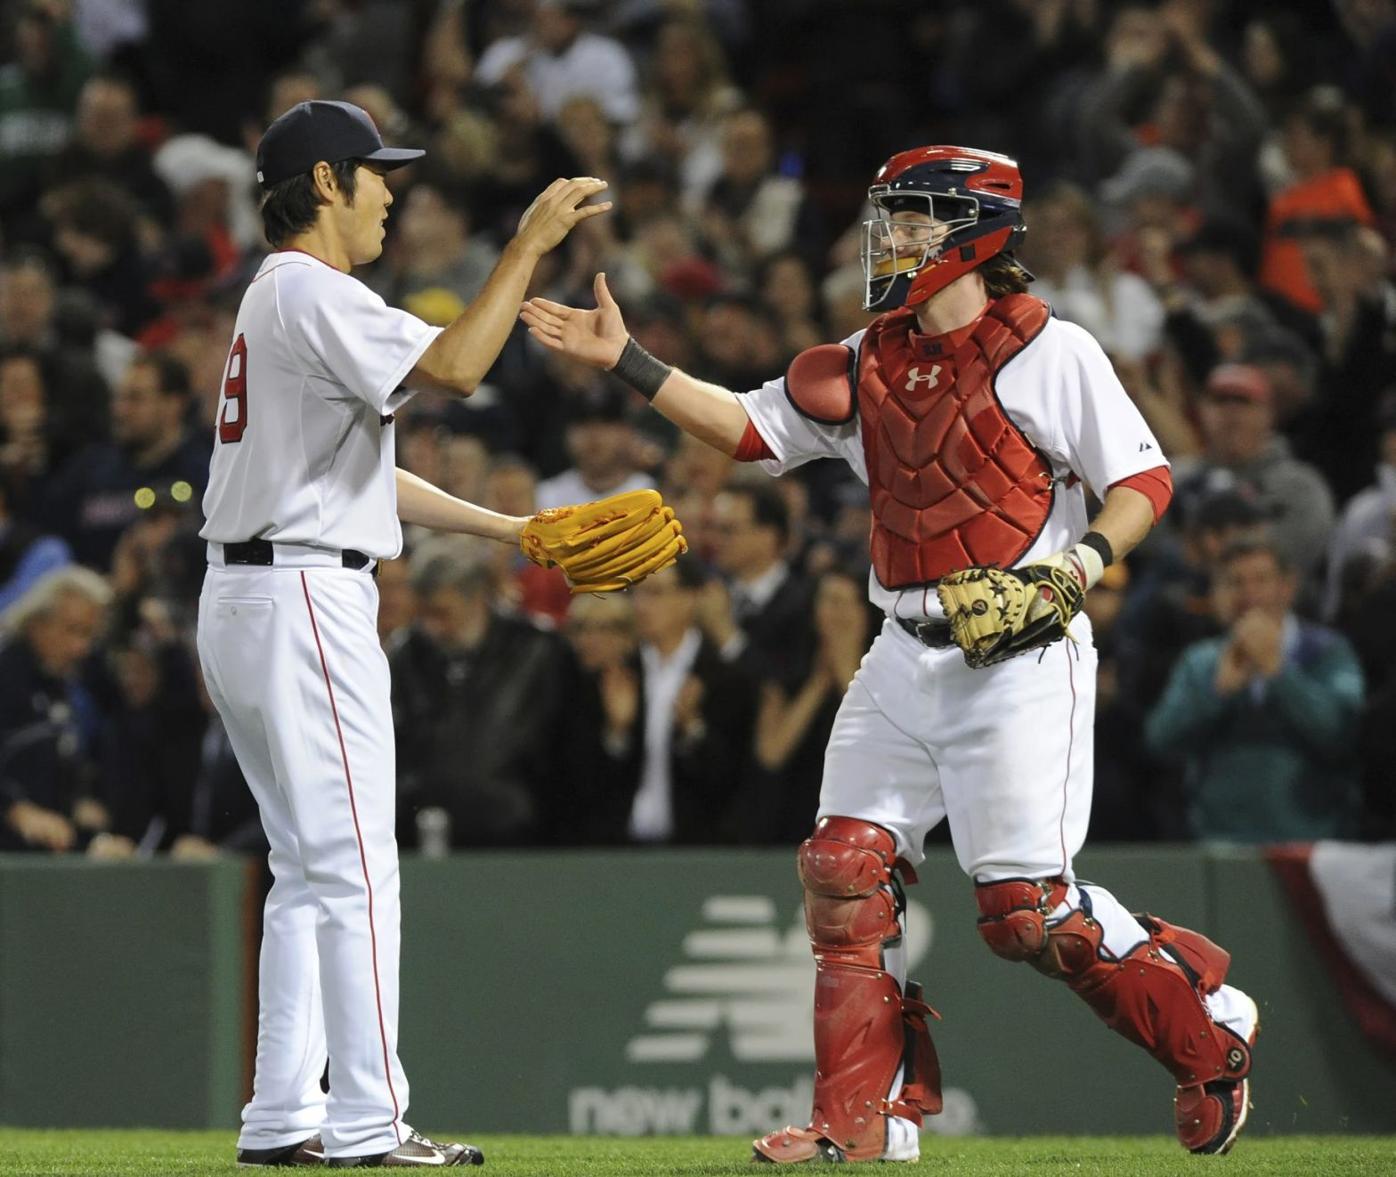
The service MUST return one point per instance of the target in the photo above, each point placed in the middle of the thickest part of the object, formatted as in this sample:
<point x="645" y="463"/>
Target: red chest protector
<point x="953" y="481"/>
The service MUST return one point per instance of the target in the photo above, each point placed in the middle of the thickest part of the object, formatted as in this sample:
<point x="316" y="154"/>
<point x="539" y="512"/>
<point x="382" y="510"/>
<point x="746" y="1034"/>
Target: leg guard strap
<point x="920" y="1095"/>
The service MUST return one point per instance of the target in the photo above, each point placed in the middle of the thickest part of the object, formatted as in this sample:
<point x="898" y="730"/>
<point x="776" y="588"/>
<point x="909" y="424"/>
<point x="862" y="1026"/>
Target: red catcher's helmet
<point x="974" y="202"/>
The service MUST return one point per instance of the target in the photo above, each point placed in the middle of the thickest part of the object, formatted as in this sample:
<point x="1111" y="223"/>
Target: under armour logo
<point x="1144" y="445"/>
<point x="914" y="377"/>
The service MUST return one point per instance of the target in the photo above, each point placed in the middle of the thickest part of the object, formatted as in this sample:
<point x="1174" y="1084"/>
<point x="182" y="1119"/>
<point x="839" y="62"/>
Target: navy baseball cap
<point x="332" y="131"/>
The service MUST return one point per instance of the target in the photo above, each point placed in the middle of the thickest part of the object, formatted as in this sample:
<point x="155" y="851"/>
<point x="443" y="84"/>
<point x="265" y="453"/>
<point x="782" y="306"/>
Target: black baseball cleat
<point x="1210" y="1117"/>
<point x="413" y="1152"/>
<point x="307" y="1152"/>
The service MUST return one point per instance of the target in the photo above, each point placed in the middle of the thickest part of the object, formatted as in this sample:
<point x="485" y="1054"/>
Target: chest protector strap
<point x="954" y="482"/>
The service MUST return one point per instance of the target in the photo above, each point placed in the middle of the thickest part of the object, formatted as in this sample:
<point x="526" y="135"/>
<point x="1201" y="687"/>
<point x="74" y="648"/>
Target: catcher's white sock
<point x="1228" y="1006"/>
<point x="1121" y="932"/>
<point x="1233" y="1009"/>
<point x="903" y="1139"/>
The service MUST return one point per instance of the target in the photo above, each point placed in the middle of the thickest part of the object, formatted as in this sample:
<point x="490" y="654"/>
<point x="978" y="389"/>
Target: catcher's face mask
<point x="909" y="232"/>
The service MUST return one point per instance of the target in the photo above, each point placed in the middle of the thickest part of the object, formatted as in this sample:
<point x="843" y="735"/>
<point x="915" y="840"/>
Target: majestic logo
<point x="1144" y="446"/>
<point x="914" y="377"/>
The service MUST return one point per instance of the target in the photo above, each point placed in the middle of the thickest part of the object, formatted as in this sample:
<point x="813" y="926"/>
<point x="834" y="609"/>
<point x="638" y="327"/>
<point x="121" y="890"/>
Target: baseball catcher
<point x="978" y="421"/>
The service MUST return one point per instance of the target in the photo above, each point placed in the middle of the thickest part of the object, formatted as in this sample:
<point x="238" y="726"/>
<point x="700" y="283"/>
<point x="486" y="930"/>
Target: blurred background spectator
<point x="1364" y="543"/>
<point x="1265" y="717"/>
<point x="763" y="613"/>
<point x="693" y="719"/>
<point x="603" y="448"/>
<point x="1075" y="273"/>
<point x="603" y="732"/>
<point x="1211" y="192"/>
<point x="99" y="492"/>
<point x="50" y="784"/>
<point x="435" y="266"/>
<point x="39" y="87"/>
<point x="476" y="698"/>
<point x="1242" y="448"/>
<point x="560" y="58"/>
<point x="795" y="714"/>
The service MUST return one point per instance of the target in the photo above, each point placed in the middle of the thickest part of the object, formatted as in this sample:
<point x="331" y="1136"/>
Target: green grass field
<point x="195" y="1154"/>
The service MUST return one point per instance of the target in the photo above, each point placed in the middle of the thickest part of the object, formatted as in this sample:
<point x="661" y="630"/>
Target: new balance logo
<point x="746" y="976"/>
<point x="1144" y="445"/>
<point x="914" y="377"/>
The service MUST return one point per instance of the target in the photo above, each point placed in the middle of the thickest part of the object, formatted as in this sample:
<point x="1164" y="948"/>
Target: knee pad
<point x="852" y="897"/>
<point x="865" y="1026"/>
<point x="1013" y="915"/>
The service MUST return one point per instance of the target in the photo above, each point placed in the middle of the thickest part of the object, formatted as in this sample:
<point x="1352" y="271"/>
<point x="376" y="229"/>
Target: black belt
<point x="262" y="552"/>
<point x="935" y="634"/>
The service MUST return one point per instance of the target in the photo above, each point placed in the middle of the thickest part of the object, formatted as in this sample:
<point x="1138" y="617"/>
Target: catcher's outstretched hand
<point x="995" y="614"/>
<point x="606" y="545"/>
<point x="595" y="337"/>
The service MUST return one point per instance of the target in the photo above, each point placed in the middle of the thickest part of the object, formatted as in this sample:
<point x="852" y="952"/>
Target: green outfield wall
<point x="641" y="992"/>
<point x="122" y="992"/>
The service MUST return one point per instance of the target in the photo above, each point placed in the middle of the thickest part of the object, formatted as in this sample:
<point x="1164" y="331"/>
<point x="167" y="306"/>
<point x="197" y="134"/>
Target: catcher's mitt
<point x="606" y="545"/>
<point x="995" y="615"/>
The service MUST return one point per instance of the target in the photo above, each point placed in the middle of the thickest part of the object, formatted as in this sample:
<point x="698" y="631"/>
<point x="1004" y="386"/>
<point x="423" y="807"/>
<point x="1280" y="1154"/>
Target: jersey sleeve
<point x="792" y="437"/>
<point x="1101" y="434"/>
<point x="362" y="342"/>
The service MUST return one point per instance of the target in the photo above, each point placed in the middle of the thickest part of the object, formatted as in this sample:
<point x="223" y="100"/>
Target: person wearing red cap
<point x="1242" y="448"/>
<point x="976" y="419"/>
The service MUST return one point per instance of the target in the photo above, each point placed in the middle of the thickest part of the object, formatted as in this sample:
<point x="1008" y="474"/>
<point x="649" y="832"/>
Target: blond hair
<point x="42" y="597"/>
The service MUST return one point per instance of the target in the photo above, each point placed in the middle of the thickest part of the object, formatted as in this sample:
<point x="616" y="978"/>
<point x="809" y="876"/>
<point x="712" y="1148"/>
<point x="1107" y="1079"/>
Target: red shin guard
<point x="1153" y="996"/>
<point x="865" y="1028"/>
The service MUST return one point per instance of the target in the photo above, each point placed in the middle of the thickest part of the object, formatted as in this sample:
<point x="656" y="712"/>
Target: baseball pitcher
<point x="304" y="498"/>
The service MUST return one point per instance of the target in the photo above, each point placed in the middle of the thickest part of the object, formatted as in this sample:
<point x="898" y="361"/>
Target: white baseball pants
<point x="1005" y="754"/>
<point x="291" y="659"/>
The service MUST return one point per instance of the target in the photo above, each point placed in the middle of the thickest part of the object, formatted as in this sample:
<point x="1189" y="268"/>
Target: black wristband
<point x="1101" y="546"/>
<point x="641" y="370"/>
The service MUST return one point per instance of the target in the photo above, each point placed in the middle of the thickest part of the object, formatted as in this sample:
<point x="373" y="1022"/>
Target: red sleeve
<point x="752" y="447"/>
<point x="1156" y="485"/>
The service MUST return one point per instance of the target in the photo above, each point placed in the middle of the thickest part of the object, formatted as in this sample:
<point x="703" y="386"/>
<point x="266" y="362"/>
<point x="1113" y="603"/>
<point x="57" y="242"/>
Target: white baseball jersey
<point x="1060" y="391"/>
<point x="304" y="451"/>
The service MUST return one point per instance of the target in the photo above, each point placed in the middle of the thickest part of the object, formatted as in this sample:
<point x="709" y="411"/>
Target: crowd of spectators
<point x="1211" y="192"/>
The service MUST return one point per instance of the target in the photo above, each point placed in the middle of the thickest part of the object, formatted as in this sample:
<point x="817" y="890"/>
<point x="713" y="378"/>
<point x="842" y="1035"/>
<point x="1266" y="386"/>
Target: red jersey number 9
<point x="233" y="420"/>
